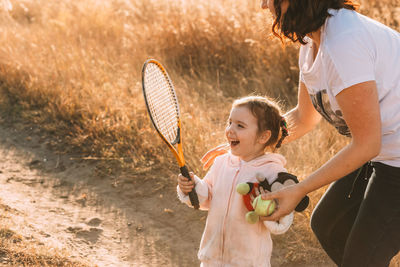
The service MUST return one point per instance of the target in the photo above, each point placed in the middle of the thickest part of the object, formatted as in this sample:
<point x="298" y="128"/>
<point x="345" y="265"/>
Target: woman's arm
<point x="303" y="117"/>
<point x="360" y="107"/>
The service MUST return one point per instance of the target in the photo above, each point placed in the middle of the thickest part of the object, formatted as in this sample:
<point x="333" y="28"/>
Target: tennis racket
<point x="162" y="105"/>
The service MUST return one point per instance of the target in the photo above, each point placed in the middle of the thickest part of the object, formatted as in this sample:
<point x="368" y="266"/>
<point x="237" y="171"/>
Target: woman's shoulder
<point x="346" y="29"/>
<point x="342" y="21"/>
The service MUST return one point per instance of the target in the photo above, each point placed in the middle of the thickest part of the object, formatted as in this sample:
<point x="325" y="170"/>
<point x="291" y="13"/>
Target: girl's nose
<point x="228" y="129"/>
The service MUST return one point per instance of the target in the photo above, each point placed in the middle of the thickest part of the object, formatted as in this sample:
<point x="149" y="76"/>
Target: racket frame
<point x="178" y="151"/>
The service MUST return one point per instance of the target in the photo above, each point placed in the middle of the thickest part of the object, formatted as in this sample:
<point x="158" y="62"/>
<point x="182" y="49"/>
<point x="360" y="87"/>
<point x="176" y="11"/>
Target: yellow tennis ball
<point x="252" y="217"/>
<point x="243" y="188"/>
<point x="263" y="207"/>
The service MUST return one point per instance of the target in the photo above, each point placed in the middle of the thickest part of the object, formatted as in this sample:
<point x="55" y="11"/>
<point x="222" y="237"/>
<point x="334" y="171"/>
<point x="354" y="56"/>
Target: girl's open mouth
<point x="234" y="143"/>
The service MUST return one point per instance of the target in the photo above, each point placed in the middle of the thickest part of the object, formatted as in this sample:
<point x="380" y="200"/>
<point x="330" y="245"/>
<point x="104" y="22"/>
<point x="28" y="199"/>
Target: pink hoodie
<point x="228" y="239"/>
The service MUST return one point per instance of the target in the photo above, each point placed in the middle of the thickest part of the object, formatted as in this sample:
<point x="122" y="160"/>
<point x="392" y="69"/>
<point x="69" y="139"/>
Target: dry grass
<point x="73" y="67"/>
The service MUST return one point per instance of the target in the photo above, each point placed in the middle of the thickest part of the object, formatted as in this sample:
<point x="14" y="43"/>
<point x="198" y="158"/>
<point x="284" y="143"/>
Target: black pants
<point x="357" y="221"/>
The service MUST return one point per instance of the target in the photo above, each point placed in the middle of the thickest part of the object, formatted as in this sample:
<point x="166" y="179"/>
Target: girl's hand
<point x="208" y="158"/>
<point x="287" y="199"/>
<point x="184" y="184"/>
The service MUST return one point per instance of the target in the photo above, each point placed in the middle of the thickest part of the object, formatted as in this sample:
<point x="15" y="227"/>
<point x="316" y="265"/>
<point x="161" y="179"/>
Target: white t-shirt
<point x="356" y="49"/>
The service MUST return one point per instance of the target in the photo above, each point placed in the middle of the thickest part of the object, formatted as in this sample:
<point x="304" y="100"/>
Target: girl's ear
<point x="264" y="137"/>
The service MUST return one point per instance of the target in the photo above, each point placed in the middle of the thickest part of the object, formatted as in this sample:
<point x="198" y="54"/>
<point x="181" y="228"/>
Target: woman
<point x="350" y="76"/>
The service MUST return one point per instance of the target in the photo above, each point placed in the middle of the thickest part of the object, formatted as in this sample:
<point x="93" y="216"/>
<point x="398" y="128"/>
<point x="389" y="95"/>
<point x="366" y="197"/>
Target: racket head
<point x="162" y="104"/>
<point x="161" y="101"/>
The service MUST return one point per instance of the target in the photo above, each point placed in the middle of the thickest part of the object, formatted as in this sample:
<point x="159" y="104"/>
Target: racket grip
<point x="194" y="200"/>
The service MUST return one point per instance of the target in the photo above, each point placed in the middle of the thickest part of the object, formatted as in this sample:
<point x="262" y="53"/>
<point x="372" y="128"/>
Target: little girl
<point x="255" y="130"/>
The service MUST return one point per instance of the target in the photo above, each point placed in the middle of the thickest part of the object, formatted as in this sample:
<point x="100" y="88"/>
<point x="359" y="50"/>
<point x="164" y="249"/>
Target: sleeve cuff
<point x="366" y="78"/>
<point x="201" y="190"/>
<point x="182" y="197"/>
<point x="280" y="226"/>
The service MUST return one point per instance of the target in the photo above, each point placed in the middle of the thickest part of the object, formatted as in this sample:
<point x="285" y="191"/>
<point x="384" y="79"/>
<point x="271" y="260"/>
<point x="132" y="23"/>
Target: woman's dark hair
<point x="304" y="16"/>
<point x="268" y="114"/>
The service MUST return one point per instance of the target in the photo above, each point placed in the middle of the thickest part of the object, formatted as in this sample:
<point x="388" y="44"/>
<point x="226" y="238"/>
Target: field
<point x="72" y="70"/>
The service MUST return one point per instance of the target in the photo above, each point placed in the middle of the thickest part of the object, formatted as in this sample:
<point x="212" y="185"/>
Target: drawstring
<point x="367" y="165"/>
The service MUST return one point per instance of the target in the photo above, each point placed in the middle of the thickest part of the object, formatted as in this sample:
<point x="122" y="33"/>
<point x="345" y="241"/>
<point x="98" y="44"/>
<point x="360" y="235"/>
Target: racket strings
<point x="162" y="102"/>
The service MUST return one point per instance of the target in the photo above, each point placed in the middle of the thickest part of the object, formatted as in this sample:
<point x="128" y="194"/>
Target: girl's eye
<point x="240" y="126"/>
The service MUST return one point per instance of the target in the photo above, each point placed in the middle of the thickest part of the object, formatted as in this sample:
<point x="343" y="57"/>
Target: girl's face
<point x="242" y="134"/>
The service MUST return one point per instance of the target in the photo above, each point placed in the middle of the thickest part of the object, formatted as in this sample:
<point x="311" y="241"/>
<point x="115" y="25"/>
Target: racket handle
<point x="194" y="200"/>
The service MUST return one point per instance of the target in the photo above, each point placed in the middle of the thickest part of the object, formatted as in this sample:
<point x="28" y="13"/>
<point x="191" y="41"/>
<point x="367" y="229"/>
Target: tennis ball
<point x="263" y="207"/>
<point x="252" y="217"/>
<point x="243" y="188"/>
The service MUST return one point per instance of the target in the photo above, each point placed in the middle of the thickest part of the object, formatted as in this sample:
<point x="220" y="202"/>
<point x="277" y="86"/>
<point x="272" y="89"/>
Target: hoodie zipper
<point x="226" y="213"/>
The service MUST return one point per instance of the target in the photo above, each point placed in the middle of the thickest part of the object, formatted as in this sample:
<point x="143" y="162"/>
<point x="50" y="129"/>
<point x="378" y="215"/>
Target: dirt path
<point x="59" y="200"/>
<point x="129" y="219"/>
<point x="50" y="207"/>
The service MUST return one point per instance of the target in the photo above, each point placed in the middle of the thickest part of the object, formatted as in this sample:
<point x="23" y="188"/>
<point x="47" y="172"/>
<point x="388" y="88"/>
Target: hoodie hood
<point x="235" y="161"/>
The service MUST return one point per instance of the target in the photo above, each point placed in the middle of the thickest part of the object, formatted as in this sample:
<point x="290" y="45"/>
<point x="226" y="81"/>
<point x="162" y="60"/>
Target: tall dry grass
<point x="78" y="66"/>
<point x="73" y="68"/>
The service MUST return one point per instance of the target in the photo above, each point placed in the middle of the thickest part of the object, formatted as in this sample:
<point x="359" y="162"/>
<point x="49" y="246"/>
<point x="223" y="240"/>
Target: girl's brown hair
<point x="304" y="16"/>
<point x="268" y="115"/>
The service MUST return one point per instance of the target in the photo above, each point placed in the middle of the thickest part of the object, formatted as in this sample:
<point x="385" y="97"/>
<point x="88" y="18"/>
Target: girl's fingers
<point x="186" y="188"/>
<point x="185" y="182"/>
<point x="183" y="178"/>
<point x="185" y="185"/>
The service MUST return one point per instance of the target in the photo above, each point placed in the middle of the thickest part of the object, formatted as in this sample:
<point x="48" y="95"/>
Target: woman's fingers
<point x="264" y="218"/>
<point x="209" y="153"/>
<point x="209" y="162"/>
<point x="286" y="199"/>
<point x="279" y="211"/>
<point x="271" y="195"/>
<point x="208" y="158"/>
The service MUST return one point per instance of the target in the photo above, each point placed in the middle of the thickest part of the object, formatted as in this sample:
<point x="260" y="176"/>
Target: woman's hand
<point x="208" y="158"/>
<point x="287" y="199"/>
<point x="259" y="191"/>
<point x="184" y="184"/>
